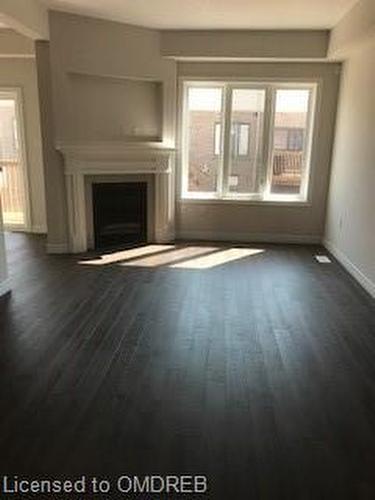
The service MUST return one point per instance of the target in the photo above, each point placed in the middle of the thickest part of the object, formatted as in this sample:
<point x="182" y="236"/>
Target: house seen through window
<point x="240" y="138"/>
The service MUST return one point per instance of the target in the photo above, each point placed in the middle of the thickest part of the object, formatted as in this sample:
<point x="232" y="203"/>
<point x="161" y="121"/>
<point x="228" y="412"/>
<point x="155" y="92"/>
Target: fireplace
<point x="83" y="162"/>
<point x="120" y="214"/>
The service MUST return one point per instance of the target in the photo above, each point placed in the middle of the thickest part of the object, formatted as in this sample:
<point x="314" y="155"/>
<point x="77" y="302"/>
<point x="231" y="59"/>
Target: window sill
<point x="285" y="201"/>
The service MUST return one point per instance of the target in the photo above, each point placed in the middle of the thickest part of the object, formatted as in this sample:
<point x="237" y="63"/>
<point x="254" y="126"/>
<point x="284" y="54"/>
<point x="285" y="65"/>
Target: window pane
<point x="243" y="139"/>
<point x="246" y="141"/>
<point x="281" y="138"/>
<point x="217" y="146"/>
<point x="204" y="138"/>
<point x="289" y="140"/>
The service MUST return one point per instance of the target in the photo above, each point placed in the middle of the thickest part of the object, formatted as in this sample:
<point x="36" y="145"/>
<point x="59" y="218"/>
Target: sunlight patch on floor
<point x="124" y="255"/>
<point x="175" y="257"/>
<point x="168" y="258"/>
<point x="217" y="258"/>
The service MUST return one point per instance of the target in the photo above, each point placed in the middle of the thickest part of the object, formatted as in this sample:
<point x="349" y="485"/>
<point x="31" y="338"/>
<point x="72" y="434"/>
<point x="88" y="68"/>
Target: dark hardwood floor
<point x="258" y="372"/>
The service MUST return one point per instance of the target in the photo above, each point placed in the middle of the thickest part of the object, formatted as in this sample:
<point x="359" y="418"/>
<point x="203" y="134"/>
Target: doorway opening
<point x="13" y="177"/>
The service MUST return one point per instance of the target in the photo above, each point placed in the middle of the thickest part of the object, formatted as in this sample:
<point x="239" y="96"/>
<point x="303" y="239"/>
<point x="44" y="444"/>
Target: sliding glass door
<point x="13" y="187"/>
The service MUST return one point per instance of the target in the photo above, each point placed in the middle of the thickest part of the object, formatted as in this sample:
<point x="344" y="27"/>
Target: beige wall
<point x="271" y="222"/>
<point x="95" y="61"/>
<point x="13" y="44"/>
<point x="28" y="17"/>
<point x="53" y="166"/>
<point x="21" y="72"/>
<point x="93" y="56"/>
<point x="350" y="230"/>
<point x="354" y="29"/>
<point x="115" y="109"/>
<point x="245" y="44"/>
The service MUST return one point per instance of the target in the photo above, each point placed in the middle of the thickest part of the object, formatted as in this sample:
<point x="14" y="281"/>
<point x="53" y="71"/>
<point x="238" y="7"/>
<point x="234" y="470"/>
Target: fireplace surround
<point x="82" y="161"/>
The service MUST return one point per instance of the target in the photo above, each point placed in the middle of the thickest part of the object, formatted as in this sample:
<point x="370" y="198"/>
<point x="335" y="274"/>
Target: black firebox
<point x="120" y="214"/>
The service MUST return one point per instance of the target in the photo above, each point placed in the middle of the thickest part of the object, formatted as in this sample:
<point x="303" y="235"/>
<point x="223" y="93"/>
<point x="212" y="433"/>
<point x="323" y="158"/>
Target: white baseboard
<point x="30" y="229"/>
<point x="249" y="237"/>
<point x="57" y="248"/>
<point x="15" y="229"/>
<point x="5" y="287"/>
<point x="352" y="269"/>
<point x="38" y="229"/>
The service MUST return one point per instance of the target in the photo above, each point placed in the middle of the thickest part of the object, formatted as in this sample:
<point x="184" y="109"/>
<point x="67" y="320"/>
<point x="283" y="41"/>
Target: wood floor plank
<point x="259" y="371"/>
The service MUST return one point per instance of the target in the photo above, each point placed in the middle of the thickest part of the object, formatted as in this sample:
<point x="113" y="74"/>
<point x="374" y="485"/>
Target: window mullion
<point x="219" y="179"/>
<point x="227" y="140"/>
<point x="268" y="132"/>
<point x="185" y="124"/>
<point x="308" y="142"/>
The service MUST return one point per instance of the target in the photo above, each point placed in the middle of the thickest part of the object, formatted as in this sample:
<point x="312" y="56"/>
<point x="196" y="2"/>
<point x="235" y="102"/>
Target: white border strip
<point x="352" y="269"/>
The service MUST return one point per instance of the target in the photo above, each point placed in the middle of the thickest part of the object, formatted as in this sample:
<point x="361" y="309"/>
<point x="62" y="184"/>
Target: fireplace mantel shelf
<point x="117" y="158"/>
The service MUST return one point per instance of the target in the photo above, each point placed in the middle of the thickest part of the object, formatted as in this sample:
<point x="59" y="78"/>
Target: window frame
<point x="222" y="193"/>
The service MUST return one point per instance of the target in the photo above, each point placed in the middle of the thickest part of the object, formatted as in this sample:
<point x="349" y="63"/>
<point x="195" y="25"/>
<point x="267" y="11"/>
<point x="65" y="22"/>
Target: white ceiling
<point x="213" y="14"/>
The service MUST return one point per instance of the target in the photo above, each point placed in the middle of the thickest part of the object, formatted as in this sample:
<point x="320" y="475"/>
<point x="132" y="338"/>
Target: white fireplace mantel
<point x="117" y="158"/>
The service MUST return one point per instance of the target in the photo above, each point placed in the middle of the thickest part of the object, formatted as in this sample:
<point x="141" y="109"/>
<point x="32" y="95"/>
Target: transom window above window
<point x="247" y="141"/>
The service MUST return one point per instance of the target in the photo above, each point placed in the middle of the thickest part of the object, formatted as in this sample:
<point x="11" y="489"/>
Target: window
<point x="289" y="162"/>
<point x="203" y="138"/>
<point x="247" y="140"/>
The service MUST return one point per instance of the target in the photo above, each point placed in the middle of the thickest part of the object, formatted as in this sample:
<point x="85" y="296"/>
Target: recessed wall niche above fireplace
<point x="119" y="214"/>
